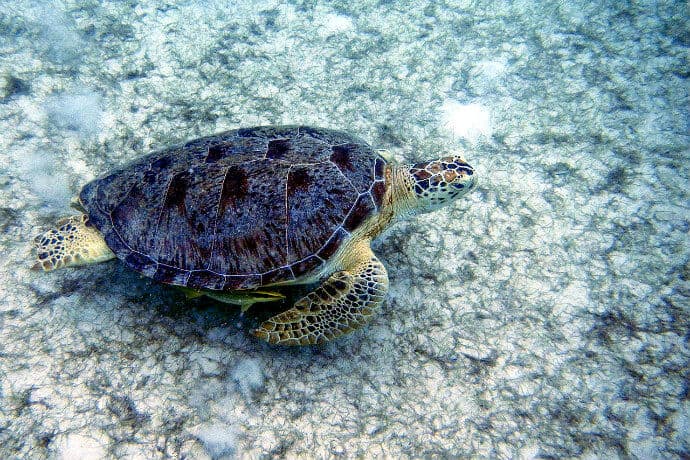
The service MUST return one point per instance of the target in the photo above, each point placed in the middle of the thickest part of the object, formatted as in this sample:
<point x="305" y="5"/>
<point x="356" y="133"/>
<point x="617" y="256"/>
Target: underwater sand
<point x="543" y="316"/>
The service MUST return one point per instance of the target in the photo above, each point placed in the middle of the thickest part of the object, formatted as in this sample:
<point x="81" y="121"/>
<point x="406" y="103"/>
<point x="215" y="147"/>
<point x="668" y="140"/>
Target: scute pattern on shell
<point x="240" y="209"/>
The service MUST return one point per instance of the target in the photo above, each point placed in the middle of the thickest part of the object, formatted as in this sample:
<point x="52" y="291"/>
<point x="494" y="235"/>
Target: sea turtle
<point x="238" y="213"/>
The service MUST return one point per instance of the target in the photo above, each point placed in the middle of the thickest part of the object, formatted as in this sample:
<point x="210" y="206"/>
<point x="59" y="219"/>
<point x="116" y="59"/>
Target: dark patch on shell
<point x="363" y="208"/>
<point x="341" y="157"/>
<point x="377" y="192"/>
<point x="161" y="163"/>
<point x="278" y="148"/>
<point x="215" y="153"/>
<point x="177" y="191"/>
<point x="379" y="169"/>
<point x="235" y="188"/>
<point x="333" y="244"/>
<point x="298" y="180"/>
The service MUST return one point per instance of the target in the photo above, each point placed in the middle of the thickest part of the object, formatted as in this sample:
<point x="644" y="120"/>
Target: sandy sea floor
<point x="543" y="316"/>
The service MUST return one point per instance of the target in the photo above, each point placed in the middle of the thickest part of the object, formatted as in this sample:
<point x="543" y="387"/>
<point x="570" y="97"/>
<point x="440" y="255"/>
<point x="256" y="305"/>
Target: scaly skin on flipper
<point x="74" y="242"/>
<point x="345" y="301"/>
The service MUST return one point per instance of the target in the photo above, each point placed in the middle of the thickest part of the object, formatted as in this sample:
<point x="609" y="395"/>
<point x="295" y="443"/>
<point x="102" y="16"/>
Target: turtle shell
<point x="238" y="210"/>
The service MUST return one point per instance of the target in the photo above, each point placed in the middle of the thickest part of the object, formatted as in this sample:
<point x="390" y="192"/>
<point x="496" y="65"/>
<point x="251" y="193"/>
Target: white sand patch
<point x="249" y="376"/>
<point x="469" y="121"/>
<point x="76" y="446"/>
<point x="335" y="24"/>
<point x="219" y="439"/>
<point x="80" y="112"/>
<point x="491" y="69"/>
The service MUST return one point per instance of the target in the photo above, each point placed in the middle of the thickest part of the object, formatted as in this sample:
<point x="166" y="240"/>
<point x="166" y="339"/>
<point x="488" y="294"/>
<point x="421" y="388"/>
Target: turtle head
<point x="437" y="183"/>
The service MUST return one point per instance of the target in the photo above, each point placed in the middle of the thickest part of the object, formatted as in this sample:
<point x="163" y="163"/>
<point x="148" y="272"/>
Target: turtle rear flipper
<point x="345" y="301"/>
<point x="71" y="244"/>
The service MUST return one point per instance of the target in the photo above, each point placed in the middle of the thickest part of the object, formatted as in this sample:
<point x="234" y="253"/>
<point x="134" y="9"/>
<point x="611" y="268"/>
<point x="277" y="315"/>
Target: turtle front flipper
<point x="345" y="301"/>
<point x="74" y="242"/>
